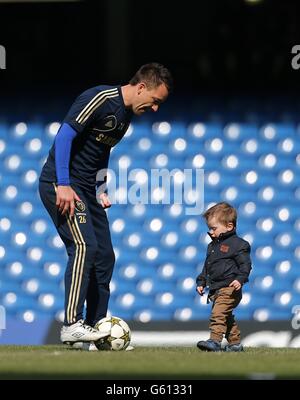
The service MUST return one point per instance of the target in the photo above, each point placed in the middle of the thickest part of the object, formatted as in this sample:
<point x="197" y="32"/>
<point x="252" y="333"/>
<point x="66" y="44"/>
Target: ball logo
<point x="118" y="334"/>
<point x="80" y="206"/>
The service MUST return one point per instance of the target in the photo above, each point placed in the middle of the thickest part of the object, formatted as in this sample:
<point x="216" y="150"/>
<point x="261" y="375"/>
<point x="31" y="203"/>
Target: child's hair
<point x="223" y="212"/>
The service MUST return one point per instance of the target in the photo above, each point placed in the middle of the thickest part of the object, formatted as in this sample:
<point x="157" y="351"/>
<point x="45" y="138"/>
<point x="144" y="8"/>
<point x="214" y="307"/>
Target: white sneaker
<point x="88" y="346"/>
<point x="80" y="332"/>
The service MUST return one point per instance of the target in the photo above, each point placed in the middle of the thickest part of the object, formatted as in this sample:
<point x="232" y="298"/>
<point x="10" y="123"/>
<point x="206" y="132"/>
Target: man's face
<point x="216" y="228"/>
<point x="148" y="99"/>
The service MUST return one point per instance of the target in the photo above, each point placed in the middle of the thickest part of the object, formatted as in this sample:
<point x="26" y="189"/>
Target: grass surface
<point x="60" y="362"/>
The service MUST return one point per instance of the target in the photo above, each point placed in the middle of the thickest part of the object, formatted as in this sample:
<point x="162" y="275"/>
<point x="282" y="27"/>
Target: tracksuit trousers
<point x="90" y="251"/>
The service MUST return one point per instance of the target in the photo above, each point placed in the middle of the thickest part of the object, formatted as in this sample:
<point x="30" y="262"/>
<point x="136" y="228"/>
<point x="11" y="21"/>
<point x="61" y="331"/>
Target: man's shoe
<point x="209" y="345"/>
<point x="234" y="347"/>
<point x="87" y="346"/>
<point x="80" y="332"/>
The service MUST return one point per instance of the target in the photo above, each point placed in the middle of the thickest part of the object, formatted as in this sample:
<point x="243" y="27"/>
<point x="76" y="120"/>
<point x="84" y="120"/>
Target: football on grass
<point x="119" y="337"/>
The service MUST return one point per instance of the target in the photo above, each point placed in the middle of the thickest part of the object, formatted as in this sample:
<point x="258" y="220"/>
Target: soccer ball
<point x="119" y="337"/>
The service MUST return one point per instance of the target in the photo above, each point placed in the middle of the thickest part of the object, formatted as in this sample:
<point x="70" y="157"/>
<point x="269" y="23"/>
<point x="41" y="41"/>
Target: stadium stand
<point x="159" y="248"/>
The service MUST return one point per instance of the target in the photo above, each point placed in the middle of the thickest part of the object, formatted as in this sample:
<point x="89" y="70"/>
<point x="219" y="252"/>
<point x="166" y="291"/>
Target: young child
<point x="226" y="269"/>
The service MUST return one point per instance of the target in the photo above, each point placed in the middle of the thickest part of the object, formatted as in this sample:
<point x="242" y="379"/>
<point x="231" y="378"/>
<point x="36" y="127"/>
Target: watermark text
<point x="2" y="57"/>
<point x="2" y="319"/>
<point x="158" y="186"/>
<point x="296" y="59"/>
<point x="296" y="317"/>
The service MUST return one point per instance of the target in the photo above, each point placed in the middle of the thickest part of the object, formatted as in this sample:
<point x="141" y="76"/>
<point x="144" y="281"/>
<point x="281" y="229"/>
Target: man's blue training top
<point x="100" y="119"/>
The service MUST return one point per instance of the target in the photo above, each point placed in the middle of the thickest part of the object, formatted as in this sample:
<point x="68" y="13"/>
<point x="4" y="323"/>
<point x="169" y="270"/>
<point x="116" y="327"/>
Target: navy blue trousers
<point x="91" y="256"/>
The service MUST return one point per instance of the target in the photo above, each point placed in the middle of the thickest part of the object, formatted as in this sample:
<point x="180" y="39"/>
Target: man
<point x="96" y="121"/>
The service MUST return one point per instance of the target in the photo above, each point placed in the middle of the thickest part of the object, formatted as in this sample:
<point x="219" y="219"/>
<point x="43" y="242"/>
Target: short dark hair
<point x="223" y="212"/>
<point x="153" y="74"/>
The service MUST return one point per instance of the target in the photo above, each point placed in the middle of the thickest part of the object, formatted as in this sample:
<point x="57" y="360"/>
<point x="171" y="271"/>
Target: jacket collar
<point x="223" y="236"/>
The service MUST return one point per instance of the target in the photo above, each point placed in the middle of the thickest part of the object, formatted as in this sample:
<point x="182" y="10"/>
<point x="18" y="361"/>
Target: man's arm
<point x="65" y="195"/>
<point x="63" y="144"/>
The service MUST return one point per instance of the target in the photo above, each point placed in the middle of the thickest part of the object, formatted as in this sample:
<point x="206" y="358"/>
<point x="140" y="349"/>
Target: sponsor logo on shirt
<point x="106" y="139"/>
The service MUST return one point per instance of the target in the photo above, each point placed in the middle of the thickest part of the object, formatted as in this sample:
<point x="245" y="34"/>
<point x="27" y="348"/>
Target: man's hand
<point x="236" y="284"/>
<point x="104" y="200"/>
<point x="200" y="290"/>
<point x="65" y="199"/>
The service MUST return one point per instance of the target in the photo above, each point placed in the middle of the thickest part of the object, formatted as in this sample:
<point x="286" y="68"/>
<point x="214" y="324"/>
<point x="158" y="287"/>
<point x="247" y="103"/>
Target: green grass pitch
<point x="60" y="362"/>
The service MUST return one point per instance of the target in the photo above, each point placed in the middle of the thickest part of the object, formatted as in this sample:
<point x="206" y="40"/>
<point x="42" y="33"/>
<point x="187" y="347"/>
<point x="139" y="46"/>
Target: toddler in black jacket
<point x="226" y="270"/>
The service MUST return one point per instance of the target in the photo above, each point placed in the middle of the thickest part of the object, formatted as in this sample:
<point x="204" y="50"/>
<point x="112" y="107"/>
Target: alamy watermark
<point x="157" y="186"/>
<point x="2" y="319"/>
<point x="296" y="59"/>
<point x="2" y="57"/>
<point x="296" y="317"/>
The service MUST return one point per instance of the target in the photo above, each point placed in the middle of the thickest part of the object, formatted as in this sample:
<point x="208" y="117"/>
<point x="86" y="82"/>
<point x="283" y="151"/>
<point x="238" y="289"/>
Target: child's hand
<point x="236" y="284"/>
<point x="200" y="290"/>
